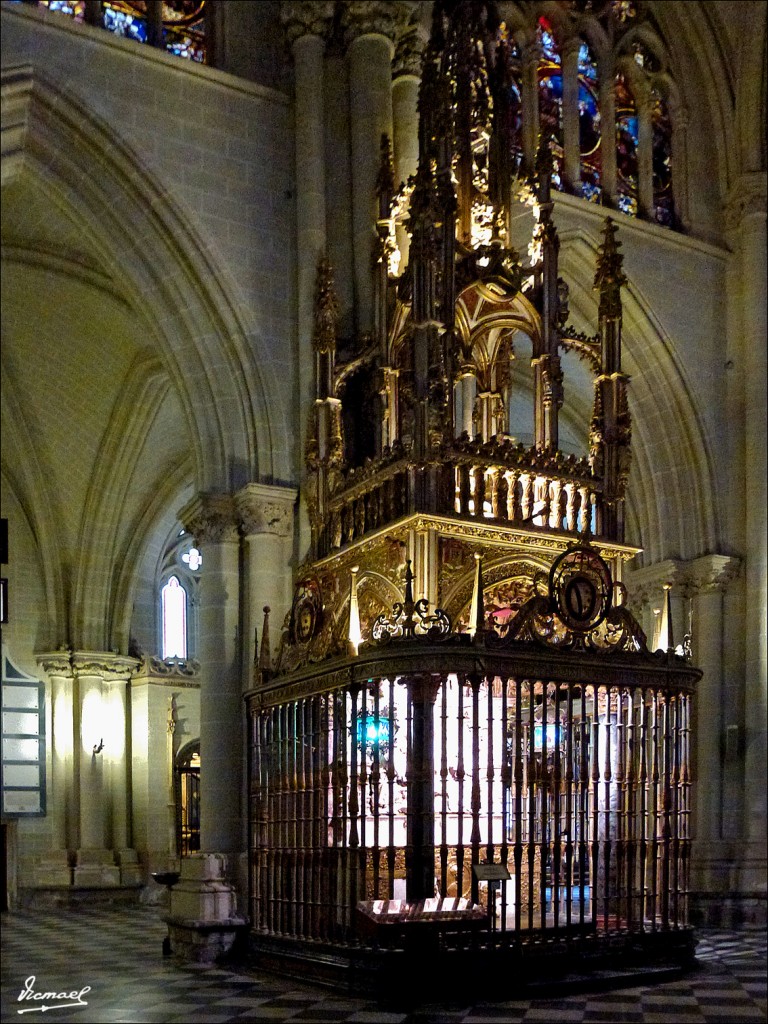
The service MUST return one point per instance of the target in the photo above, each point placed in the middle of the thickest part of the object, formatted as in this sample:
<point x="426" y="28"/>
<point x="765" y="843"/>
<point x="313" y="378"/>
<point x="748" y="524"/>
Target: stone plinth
<point x="130" y="869"/>
<point x="203" y="923"/>
<point x="53" y="870"/>
<point x="96" y="868"/>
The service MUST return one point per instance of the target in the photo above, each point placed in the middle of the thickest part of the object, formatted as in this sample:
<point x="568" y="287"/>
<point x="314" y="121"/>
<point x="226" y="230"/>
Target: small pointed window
<point x="589" y="126"/>
<point x="174" y="611"/>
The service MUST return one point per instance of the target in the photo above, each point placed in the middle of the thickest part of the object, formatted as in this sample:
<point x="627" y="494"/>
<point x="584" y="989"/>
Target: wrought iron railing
<point x="391" y="776"/>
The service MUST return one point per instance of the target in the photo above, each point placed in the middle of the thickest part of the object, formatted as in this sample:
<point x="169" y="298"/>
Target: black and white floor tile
<point x="116" y="954"/>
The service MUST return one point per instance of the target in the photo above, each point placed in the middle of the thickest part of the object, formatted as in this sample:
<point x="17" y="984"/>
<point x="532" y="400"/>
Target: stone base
<point x="56" y="897"/>
<point x="728" y="887"/>
<point x="53" y="870"/>
<point x="207" y="942"/>
<point x="96" y="868"/>
<point x="130" y="869"/>
<point x="203" y="923"/>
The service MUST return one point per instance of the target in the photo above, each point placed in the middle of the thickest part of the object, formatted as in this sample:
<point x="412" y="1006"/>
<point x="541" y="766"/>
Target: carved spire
<point x="477" y="611"/>
<point x="609" y="276"/>
<point x="326" y="309"/>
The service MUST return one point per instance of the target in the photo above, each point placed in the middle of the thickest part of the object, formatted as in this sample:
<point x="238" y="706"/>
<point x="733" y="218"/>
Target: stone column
<point x="608" y="135"/>
<point x="752" y="245"/>
<point x="101" y="771"/>
<point x="62" y="799"/>
<point x="707" y="579"/>
<point x="203" y="922"/>
<point x="210" y="518"/>
<point x="644" y="155"/>
<point x="306" y="25"/>
<point x="265" y="514"/>
<point x="370" y="30"/>
<point x="115" y="697"/>
<point x="571" y="142"/>
<point x="405" y="119"/>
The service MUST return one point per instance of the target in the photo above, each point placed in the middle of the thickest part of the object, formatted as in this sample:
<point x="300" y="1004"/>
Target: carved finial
<point x="477" y="610"/>
<point x="609" y="277"/>
<point x="326" y="309"/>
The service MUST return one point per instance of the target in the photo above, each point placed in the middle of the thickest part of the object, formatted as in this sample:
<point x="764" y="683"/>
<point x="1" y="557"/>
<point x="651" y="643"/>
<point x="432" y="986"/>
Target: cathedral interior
<point x="384" y="470"/>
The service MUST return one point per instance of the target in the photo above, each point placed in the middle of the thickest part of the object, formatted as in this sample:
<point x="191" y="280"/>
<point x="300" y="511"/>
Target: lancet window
<point x="590" y="127"/>
<point x="551" y="97"/>
<point x="178" y="587"/>
<point x="627" y="164"/>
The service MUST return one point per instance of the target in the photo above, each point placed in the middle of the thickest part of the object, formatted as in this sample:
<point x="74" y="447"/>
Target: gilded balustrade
<point x="497" y="481"/>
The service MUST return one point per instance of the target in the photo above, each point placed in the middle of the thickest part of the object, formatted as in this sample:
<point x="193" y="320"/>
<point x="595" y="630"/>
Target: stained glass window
<point x="183" y="22"/>
<point x="74" y="8"/>
<point x="551" y="97"/>
<point x="626" y="148"/>
<point x="174" y="612"/>
<point x="510" y="54"/>
<point x="126" y="18"/>
<point x="184" y="28"/>
<point x="663" y="201"/>
<point x="589" y="126"/>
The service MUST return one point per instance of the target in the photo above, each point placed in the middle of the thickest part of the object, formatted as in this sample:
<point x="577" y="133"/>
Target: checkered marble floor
<point x="117" y="952"/>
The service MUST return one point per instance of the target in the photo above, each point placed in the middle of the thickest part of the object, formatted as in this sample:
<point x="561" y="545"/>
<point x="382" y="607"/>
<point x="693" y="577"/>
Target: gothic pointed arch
<point x="170" y="278"/>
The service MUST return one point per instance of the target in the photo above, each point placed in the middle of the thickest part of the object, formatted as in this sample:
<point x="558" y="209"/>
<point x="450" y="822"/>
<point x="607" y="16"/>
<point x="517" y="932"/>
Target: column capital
<point x="370" y="17"/>
<point x="710" y="573"/>
<point x="210" y="518"/>
<point x="263" y="508"/>
<point x="56" y="663"/>
<point x="698" y="575"/>
<point x="746" y="196"/>
<point x="111" y="667"/>
<point x="410" y="41"/>
<point x="303" y="18"/>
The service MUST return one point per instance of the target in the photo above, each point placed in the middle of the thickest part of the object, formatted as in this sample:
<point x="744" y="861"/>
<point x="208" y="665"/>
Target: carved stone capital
<point x="210" y="518"/>
<point x="646" y="585"/>
<point x="111" y="667"/>
<point x="304" y="18"/>
<point x="410" y="41"/>
<point x="56" y="663"/>
<point x="370" y="17"/>
<point x="262" y="508"/>
<point x="699" y="575"/>
<point x="746" y="197"/>
<point x="710" y="573"/>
